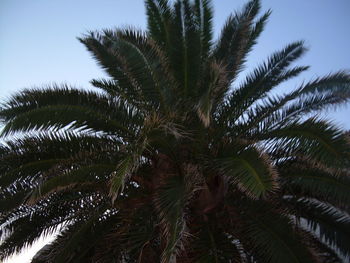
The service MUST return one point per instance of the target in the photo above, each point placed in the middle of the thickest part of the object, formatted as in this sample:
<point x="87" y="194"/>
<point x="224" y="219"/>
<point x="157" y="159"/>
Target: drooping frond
<point x="250" y="170"/>
<point x="317" y="139"/>
<point x="306" y="179"/>
<point x="272" y="237"/>
<point x="330" y="224"/>
<point x="170" y="203"/>
<point x="45" y="218"/>
<point x="59" y="107"/>
<point x="171" y="160"/>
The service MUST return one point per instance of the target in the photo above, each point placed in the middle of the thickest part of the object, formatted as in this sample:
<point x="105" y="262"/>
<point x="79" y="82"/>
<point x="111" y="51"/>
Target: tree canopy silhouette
<point x="171" y="159"/>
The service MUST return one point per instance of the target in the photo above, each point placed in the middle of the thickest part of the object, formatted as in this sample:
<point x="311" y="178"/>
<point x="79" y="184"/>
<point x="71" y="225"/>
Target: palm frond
<point x="59" y="107"/>
<point x="272" y="237"/>
<point x="63" y="182"/>
<point x="316" y="183"/>
<point x="171" y="160"/>
<point x="158" y="18"/>
<point x="237" y="38"/>
<point x="204" y="15"/>
<point x="328" y="223"/>
<point x="43" y="219"/>
<point x="263" y="79"/>
<point x="318" y="139"/>
<point x="250" y="170"/>
<point x="171" y="200"/>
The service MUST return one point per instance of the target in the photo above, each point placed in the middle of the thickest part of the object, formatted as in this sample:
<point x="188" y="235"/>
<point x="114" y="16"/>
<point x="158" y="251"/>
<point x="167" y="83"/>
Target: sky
<point x="38" y="44"/>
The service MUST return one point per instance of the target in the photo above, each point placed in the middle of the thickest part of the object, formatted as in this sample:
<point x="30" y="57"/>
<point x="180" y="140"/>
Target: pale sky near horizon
<point x="38" y="42"/>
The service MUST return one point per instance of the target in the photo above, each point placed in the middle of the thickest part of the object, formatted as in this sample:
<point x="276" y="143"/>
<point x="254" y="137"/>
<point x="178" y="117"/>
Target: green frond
<point x="301" y="180"/>
<point x="212" y="245"/>
<point x="204" y="108"/>
<point x="321" y="94"/>
<point x="171" y="160"/>
<point x="271" y="237"/>
<point x="141" y="234"/>
<point x="27" y="160"/>
<point x="337" y="82"/>
<point x="314" y="103"/>
<point x="276" y="111"/>
<point x="204" y="17"/>
<point x="157" y="63"/>
<point x="22" y="155"/>
<point x="43" y="219"/>
<point x="137" y="65"/>
<point x="140" y="68"/>
<point x="262" y="115"/>
<point x="16" y="184"/>
<point x="78" y="239"/>
<point x="158" y="20"/>
<point x="122" y="171"/>
<point x="315" y="138"/>
<point x="213" y="89"/>
<point x="76" y="177"/>
<point x="331" y="225"/>
<point x="170" y="203"/>
<point x="264" y="78"/>
<point x="82" y="234"/>
<point x="31" y="171"/>
<point x="250" y="170"/>
<point x="102" y="50"/>
<point x="53" y="145"/>
<point x="192" y="52"/>
<point x="236" y="39"/>
<point x="10" y="201"/>
<point x="257" y="29"/>
<point x="57" y="95"/>
<point x="55" y="108"/>
<point x="322" y="252"/>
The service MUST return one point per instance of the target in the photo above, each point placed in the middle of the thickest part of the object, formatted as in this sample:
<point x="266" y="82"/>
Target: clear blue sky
<point x="38" y="38"/>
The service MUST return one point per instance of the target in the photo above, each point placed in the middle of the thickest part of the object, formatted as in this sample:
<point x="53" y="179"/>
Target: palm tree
<point x="171" y="160"/>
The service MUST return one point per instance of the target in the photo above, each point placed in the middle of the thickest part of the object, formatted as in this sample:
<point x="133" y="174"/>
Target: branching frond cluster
<point x="172" y="159"/>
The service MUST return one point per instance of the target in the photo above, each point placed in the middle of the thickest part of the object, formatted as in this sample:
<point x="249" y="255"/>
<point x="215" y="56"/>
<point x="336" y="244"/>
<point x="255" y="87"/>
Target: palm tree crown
<point x="171" y="159"/>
